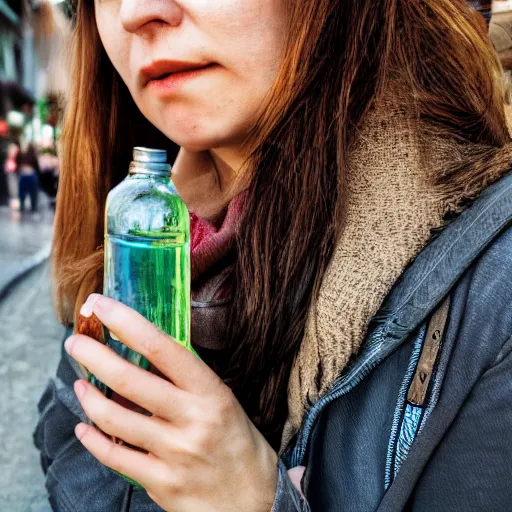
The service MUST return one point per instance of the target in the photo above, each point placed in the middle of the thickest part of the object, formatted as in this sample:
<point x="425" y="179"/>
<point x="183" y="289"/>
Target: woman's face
<point x="199" y="70"/>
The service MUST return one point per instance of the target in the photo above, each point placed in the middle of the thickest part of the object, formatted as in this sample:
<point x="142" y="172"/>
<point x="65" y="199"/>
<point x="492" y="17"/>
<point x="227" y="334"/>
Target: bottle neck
<point x="153" y="168"/>
<point x="158" y="176"/>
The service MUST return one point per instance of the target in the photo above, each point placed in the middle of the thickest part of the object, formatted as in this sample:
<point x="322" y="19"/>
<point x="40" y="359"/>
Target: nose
<point x="144" y="16"/>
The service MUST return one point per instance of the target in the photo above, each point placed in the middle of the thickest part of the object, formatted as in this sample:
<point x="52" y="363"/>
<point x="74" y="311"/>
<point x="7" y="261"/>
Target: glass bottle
<point x="147" y="252"/>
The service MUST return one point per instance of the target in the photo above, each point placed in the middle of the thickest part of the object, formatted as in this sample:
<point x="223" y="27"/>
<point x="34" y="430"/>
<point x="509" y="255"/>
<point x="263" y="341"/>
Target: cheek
<point x="253" y="60"/>
<point x="116" y="46"/>
<point x="258" y="37"/>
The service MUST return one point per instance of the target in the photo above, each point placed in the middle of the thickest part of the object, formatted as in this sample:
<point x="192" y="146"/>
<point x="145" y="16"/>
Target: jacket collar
<point x="416" y="294"/>
<point x="442" y="262"/>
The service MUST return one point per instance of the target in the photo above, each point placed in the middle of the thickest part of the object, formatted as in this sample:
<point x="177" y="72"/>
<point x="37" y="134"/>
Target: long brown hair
<point x="340" y="56"/>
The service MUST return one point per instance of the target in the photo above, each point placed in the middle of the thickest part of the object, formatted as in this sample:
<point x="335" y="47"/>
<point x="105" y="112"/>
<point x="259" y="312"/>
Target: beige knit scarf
<point x="391" y="210"/>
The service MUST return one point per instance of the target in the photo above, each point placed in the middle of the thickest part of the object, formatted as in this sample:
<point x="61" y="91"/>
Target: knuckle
<point x="112" y="457"/>
<point x="162" y="408"/>
<point x="164" y="446"/>
<point x="214" y="421"/>
<point x="100" y="414"/>
<point x="151" y="443"/>
<point x="122" y="383"/>
<point x="216" y="410"/>
<point x="195" y="412"/>
<point x="226" y="406"/>
<point x="151" y="345"/>
<point x="166" y="482"/>
<point x="106" y="424"/>
<point x="203" y="440"/>
<point x="175" y="482"/>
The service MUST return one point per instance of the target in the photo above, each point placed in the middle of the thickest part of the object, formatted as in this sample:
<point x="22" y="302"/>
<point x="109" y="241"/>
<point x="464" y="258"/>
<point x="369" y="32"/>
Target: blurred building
<point x="33" y="79"/>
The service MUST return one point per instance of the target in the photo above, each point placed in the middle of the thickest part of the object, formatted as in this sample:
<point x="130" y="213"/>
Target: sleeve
<point x="75" y="480"/>
<point x="472" y="467"/>
<point x="287" y="497"/>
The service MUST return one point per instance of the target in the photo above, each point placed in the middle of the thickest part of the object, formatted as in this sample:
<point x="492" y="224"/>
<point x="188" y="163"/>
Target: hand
<point x="203" y="452"/>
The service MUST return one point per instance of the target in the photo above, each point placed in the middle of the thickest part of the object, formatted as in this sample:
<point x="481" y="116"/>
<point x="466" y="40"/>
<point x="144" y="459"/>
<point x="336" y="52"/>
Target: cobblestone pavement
<point x="30" y="340"/>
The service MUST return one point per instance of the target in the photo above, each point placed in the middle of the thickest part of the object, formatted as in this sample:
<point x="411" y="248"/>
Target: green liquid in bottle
<point x="152" y="276"/>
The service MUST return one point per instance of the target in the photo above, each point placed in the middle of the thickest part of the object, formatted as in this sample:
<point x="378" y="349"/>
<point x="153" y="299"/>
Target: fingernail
<point x="113" y="336"/>
<point x="79" y="387"/>
<point x="80" y="430"/>
<point x="68" y="344"/>
<point x="88" y="308"/>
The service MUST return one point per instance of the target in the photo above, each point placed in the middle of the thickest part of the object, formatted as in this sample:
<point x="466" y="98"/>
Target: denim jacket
<point x="421" y="418"/>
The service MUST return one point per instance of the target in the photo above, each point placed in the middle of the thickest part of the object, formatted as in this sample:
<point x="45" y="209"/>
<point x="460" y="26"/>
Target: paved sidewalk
<point x="30" y="344"/>
<point x="30" y="339"/>
<point x="25" y="242"/>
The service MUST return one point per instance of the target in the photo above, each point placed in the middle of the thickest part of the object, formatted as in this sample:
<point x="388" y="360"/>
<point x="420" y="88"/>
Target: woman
<point x="27" y="166"/>
<point x="356" y="200"/>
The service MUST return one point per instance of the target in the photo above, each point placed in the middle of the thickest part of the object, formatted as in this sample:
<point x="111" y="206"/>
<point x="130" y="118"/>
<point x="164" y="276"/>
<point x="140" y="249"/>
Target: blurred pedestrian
<point x="28" y="171"/>
<point x="10" y="168"/>
<point x="49" y="173"/>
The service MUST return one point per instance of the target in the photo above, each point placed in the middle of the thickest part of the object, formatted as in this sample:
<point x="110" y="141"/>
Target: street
<point x="24" y="242"/>
<point x="29" y="350"/>
<point x="30" y="339"/>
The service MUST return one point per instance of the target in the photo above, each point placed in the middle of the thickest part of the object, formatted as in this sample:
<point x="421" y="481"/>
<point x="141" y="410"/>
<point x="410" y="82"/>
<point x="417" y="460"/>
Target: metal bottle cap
<point x="150" y="161"/>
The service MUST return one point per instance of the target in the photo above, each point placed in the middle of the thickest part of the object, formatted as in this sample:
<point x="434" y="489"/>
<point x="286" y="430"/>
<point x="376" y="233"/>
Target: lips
<point x="162" y="69"/>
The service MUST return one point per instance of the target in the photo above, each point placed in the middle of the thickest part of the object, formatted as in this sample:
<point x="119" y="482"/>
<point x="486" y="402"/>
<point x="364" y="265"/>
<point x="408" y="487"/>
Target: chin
<point x="196" y="128"/>
<point x="196" y="141"/>
<point x="192" y="144"/>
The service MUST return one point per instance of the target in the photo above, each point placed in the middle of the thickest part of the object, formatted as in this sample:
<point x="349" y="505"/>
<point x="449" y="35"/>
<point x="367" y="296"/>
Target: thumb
<point x="295" y="475"/>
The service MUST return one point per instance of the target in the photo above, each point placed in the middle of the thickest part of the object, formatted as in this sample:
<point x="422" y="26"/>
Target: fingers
<point x="149" y="391"/>
<point x="115" y="420"/>
<point x="174" y="361"/>
<point x="140" y="467"/>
